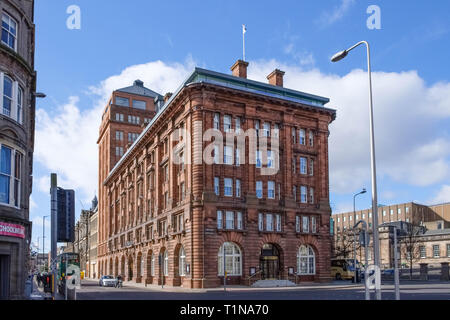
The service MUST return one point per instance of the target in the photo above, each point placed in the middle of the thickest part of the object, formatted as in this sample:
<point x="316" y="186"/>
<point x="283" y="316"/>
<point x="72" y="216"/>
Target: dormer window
<point x="123" y="102"/>
<point x="9" y="31"/>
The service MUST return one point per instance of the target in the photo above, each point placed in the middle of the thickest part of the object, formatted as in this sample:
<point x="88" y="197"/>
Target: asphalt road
<point x="410" y="291"/>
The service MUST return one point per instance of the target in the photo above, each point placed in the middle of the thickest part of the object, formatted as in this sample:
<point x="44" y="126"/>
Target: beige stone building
<point x="432" y="245"/>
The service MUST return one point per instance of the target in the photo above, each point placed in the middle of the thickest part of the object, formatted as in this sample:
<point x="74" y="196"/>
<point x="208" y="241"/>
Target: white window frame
<point x="228" y="155"/>
<point x="303" y="194"/>
<point x="438" y="253"/>
<point x="278" y="222"/>
<point x="303" y="165"/>
<point x="229" y="220"/>
<point x="271" y="189"/>
<point x="269" y="222"/>
<point x="182" y="262"/>
<point x="235" y="256"/>
<point x="237" y="124"/>
<point x="302" y="136"/>
<point x="260" y="222"/>
<point x="311" y="138"/>
<point x="166" y="263"/>
<point x="9" y="18"/>
<point x="19" y="104"/>
<point x="240" y="224"/>
<point x="217" y="186"/>
<point x="227" y="123"/>
<point x="153" y="258"/>
<point x="259" y="187"/>
<point x="297" y="224"/>
<point x="216" y="121"/>
<point x="306" y="263"/>
<point x="238" y="188"/>
<point x="228" y="187"/>
<point x="311" y="195"/>
<point x="313" y="224"/>
<point x="219" y="219"/>
<point x="13" y="200"/>
<point x="305" y="224"/>
<point x="266" y="129"/>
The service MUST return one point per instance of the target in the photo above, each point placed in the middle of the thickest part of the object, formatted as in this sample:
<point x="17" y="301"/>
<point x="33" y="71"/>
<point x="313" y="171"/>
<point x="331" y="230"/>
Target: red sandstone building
<point x="163" y="221"/>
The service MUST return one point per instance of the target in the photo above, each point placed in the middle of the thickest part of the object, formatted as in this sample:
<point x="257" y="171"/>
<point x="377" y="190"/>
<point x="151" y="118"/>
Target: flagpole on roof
<point x="244" y="30"/>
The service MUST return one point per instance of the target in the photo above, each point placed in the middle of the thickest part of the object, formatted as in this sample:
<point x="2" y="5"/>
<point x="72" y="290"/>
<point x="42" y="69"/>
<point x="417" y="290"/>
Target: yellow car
<point x="343" y="269"/>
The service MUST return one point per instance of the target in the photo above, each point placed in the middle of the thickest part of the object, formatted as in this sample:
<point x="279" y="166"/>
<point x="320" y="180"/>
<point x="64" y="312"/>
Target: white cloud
<point x="338" y="12"/>
<point x="407" y="112"/>
<point x="33" y="204"/>
<point x="66" y="137"/>
<point x="443" y="195"/>
<point x="408" y="147"/>
<point x="39" y="221"/>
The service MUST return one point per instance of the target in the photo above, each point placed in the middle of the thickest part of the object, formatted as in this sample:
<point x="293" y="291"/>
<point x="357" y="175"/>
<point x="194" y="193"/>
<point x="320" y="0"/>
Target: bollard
<point x="424" y="271"/>
<point x="444" y="271"/>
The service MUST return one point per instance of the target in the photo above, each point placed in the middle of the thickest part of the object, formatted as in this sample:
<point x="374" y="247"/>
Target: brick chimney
<point x="276" y="78"/>
<point x="239" y="69"/>
<point x="167" y="96"/>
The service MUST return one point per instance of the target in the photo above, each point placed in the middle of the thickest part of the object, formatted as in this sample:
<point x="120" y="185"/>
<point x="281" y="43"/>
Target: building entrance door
<point x="4" y="277"/>
<point x="270" y="262"/>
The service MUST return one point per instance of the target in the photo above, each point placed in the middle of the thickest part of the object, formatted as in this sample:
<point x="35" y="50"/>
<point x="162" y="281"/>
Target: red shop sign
<point x="12" y="230"/>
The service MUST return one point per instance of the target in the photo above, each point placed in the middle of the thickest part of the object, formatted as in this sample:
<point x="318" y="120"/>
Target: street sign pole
<point x="366" y="257"/>
<point x="65" y="279"/>
<point x="397" y="282"/>
<point x="224" y="271"/>
<point x="355" y="278"/>
<point x="53" y="205"/>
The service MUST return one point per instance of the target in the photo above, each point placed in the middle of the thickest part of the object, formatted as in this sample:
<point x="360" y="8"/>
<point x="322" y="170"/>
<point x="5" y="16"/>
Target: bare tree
<point x="411" y="242"/>
<point x="344" y="244"/>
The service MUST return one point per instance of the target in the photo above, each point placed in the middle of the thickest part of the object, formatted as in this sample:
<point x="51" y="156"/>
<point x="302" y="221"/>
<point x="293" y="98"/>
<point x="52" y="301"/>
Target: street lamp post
<point x="43" y="234"/>
<point x="355" y="278"/>
<point x="376" y="246"/>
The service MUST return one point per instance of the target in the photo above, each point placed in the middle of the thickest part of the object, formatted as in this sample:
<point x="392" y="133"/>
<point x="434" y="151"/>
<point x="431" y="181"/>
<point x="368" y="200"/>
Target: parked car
<point x="387" y="272"/>
<point x="107" y="281"/>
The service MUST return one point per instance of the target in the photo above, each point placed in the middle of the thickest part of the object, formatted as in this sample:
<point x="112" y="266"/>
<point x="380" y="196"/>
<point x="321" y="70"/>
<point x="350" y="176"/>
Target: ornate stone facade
<point x="158" y="219"/>
<point x="17" y="114"/>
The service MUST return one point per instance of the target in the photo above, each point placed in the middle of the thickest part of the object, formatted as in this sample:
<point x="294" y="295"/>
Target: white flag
<point x="244" y="29"/>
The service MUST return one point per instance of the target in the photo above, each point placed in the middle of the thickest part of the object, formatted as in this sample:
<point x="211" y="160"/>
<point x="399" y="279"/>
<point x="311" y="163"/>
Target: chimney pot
<point x="276" y="77"/>
<point x="139" y="83"/>
<point x="239" y="69"/>
<point x="167" y="96"/>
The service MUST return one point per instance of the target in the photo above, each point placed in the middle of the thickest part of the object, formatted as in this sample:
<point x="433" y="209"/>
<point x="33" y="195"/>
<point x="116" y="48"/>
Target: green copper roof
<point x="200" y="75"/>
<point x="203" y="75"/>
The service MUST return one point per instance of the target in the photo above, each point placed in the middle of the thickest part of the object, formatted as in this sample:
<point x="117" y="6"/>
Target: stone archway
<point x="122" y="266"/>
<point x="116" y="267"/>
<point x="139" y="267"/>
<point x="270" y="261"/>
<point x="110" y="266"/>
<point x="150" y="266"/>
<point x="130" y="268"/>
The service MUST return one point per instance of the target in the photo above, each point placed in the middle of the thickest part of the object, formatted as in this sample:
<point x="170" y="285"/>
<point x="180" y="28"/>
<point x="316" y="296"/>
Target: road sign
<point x="362" y="238"/>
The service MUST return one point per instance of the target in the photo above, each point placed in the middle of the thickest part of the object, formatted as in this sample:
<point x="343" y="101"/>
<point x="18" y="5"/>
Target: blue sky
<point x="161" y="41"/>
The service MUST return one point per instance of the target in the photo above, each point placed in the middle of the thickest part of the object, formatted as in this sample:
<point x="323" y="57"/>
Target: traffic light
<point x="48" y="283"/>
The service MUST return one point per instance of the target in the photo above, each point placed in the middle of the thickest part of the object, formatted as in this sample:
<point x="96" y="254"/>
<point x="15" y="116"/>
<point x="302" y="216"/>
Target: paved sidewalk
<point x="310" y="285"/>
<point x="38" y="292"/>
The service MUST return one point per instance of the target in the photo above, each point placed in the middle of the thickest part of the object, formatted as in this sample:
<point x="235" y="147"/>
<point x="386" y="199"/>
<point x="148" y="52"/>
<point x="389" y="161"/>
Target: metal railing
<point x="252" y="277"/>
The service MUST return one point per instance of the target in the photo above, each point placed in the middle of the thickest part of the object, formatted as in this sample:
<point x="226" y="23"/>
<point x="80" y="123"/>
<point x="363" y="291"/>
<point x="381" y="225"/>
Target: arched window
<point x="152" y="265"/>
<point x="182" y="262"/>
<point x="7" y="96"/>
<point x="306" y="260"/>
<point x="233" y="260"/>
<point x="166" y="263"/>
